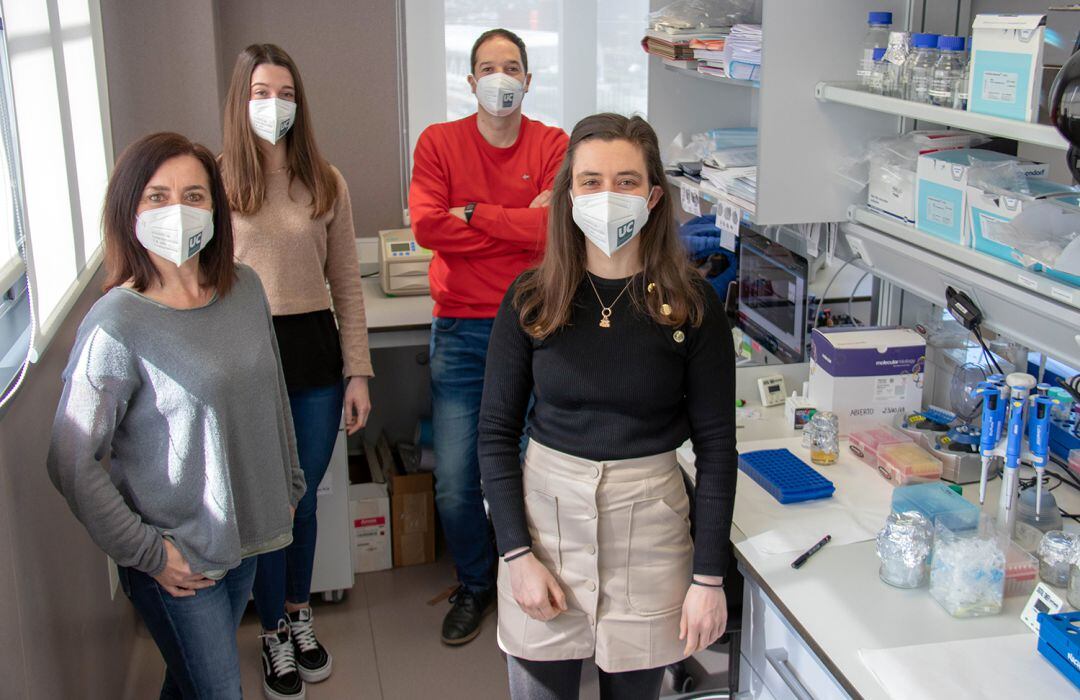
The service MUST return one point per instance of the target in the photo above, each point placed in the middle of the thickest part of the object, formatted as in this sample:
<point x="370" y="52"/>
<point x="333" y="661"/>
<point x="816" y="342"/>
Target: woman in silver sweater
<point x="175" y="378"/>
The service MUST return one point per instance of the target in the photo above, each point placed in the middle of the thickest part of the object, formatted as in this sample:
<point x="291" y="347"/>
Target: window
<point x="585" y="57"/>
<point x="56" y="138"/>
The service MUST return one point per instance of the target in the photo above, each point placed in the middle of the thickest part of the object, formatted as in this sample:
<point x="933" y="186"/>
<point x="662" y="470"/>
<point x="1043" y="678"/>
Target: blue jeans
<point x="458" y="354"/>
<point x="285" y="575"/>
<point x="197" y="634"/>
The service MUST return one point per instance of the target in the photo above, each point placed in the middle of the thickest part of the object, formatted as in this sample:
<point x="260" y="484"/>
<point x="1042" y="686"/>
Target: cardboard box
<point x="866" y="376"/>
<point x="1005" y="72"/>
<point x="987" y="208"/>
<point x="369" y="511"/>
<point x="941" y="189"/>
<point x="412" y="510"/>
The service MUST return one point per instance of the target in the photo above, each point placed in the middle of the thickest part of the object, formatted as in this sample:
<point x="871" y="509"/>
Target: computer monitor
<point x="773" y="296"/>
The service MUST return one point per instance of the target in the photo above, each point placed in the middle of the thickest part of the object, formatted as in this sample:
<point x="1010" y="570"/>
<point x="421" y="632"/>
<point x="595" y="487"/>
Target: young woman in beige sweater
<point x="293" y="224"/>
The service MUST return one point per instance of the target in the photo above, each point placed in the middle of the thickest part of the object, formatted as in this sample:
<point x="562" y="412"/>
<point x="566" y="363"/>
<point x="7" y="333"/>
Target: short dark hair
<point x="505" y="34"/>
<point x="126" y="258"/>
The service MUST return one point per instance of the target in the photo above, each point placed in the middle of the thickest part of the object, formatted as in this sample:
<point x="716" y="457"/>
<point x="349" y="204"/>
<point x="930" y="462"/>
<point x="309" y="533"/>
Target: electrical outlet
<point x="859" y="248"/>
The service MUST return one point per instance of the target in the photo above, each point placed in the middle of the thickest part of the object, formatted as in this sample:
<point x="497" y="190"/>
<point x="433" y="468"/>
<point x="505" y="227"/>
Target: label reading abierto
<point x="999" y="86"/>
<point x="890" y="389"/>
<point x="940" y="211"/>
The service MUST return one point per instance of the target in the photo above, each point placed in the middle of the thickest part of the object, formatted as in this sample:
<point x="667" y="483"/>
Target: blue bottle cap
<point x="879" y="54"/>
<point x="880" y="18"/>
<point x="951" y="43"/>
<point x="924" y="41"/>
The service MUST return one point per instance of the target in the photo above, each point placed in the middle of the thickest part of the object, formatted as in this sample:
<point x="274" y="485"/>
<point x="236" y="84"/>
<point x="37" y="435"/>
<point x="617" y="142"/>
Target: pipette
<point x="1013" y="445"/>
<point x="1039" y="443"/>
<point x="993" y="419"/>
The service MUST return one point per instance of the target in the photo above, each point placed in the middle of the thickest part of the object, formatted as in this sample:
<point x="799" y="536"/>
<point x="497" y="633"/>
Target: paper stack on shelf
<point x="742" y="51"/>
<point x="729" y="166"/>
<point x="679" y="49"/>
<point x="709" y="53"/>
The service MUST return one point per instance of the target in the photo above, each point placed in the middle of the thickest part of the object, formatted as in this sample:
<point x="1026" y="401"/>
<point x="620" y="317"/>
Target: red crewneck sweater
<point x="475" y="262"/>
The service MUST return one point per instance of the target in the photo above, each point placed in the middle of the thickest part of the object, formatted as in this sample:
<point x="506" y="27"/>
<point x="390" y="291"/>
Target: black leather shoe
<point x="462" y="624"/>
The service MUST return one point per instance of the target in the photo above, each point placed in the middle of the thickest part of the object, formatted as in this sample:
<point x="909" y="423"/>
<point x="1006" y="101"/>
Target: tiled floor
<point x="385" y="640"/>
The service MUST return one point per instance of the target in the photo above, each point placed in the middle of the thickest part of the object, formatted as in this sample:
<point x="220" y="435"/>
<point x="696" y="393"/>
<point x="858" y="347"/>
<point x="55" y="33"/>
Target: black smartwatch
<point x="469" y="208"/>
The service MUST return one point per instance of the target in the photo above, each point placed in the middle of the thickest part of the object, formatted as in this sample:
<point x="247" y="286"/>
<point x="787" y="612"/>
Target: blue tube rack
<point x="786" y="477"/>
<point x="1059" y="642"/>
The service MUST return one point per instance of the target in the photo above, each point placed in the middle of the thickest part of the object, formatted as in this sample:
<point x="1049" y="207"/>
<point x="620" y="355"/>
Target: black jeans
<point x="561" y="680"/>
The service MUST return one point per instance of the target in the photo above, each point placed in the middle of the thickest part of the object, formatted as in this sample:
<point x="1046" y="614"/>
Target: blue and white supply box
<point x="986" y="208"/>
<point x="942" y="189"/>
<point x="1005" y="72"/>
<point x="866" y="376"/>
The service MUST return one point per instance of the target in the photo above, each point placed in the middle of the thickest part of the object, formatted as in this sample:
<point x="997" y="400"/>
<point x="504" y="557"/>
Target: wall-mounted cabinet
<point x="801" y="140"/>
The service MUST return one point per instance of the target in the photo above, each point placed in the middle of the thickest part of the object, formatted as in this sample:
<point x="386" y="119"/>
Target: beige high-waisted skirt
<point x="616" y="535"/>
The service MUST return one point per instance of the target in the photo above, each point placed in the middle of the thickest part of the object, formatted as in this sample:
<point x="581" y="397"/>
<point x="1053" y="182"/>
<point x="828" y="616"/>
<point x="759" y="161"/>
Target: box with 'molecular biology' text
<point x="866" y="376"/>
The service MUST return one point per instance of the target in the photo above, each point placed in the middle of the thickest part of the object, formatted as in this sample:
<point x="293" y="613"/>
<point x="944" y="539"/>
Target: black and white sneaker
<point x="312" y="658"/>
<point x="281" y="679"/>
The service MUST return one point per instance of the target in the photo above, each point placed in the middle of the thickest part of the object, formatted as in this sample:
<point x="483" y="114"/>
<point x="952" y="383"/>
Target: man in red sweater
<point x="478" y="199"/>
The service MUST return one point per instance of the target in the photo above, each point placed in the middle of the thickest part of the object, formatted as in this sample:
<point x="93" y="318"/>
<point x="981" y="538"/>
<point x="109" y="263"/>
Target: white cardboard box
<point x="369" y="511"/>
<point x="866" y="376"/>
<point x="1005" y="73"/>
<point x="941" y="189"/>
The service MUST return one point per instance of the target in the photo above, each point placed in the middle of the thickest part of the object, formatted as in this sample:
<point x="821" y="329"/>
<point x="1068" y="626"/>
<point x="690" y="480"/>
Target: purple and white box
<point x="866" y="376"/>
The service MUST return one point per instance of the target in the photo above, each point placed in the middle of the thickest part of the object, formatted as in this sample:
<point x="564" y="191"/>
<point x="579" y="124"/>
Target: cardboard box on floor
<point x="412" y="509"/>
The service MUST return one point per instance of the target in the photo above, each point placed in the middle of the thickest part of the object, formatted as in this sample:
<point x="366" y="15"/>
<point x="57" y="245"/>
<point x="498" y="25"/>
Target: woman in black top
<point x="627" y="353"/>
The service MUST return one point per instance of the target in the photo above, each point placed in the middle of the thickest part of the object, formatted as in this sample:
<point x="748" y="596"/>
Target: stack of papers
<point x="668" y="47"/>
<point x="742" y="51"/>
<point x="729" y="169"/>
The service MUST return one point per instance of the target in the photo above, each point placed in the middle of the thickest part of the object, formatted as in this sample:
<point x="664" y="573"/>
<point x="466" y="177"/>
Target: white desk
<point x="837" y="604"/>
<point x="396" y="321"/>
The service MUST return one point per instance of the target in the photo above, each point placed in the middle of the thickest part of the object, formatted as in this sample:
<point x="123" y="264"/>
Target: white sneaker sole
<point x="317" y="675"/>
<point x="271" y="695"/>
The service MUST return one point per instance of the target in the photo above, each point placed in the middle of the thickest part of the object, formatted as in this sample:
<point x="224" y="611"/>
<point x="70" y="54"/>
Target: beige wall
<point x="62" y="636"/>
<point x="161" y="59"/>
<point x="347" y="54"/>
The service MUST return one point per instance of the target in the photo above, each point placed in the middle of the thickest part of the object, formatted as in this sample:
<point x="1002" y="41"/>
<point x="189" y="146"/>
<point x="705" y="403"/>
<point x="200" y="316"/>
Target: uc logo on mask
<point x="507" y="100"/>
<point x="194" y="243"/>
<point x="624" y="232"/>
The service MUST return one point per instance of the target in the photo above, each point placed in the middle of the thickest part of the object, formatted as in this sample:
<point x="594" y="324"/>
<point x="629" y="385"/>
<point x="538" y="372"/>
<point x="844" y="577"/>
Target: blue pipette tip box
<point x="786" y="477"/>
<point x="1059" y="642"/>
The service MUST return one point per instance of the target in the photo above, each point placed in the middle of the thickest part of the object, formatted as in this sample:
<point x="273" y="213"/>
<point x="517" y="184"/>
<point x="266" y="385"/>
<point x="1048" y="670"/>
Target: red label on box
<point x="368" y="522"/>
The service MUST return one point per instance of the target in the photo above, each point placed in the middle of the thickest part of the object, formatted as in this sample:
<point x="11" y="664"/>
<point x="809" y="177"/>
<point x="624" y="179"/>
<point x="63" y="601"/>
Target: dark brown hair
<point x="544" y="295"/>
<point x="241" y="159"/>
<point x="126" y="258"/>
<point x="505" y="34"/>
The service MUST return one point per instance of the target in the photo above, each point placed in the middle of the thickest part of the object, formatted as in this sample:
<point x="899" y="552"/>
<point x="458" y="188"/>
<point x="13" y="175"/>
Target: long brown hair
<point x="241" y="159"/>
<point x="126" y="258"/>
<point x="544" y="296"/>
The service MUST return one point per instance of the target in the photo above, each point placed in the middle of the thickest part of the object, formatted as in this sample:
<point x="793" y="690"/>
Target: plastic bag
<point x="896" y="158"/>
<point x="1046" y="233"/>
<point x="704" y="15"/>
<point x="1006" y="177"/>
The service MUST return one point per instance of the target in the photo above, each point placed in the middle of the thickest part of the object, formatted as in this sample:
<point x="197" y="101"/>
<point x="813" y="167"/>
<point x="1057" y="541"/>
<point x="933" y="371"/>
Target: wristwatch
<point x="469" y="208"/>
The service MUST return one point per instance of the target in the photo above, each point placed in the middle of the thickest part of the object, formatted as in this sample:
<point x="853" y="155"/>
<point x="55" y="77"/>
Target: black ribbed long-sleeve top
<point x="631" y="390"/>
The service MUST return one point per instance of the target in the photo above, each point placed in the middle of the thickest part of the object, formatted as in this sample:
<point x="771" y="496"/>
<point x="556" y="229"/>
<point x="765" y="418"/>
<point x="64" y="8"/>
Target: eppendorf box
<point x="866" y="375"/>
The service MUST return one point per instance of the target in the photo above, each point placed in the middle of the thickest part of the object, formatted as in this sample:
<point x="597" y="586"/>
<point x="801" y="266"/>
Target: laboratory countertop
<point x="395" y="313"/>
<point x="836" y="601"/>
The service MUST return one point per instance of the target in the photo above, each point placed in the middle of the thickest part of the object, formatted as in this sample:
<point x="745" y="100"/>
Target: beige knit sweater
<point x="297" y="257"/>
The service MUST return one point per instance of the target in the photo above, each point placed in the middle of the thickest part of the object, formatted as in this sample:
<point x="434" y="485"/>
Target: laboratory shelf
<point x="1019" y="304"/>
<point x="681" y="181"/>
<point x="1026" y="132"/>
<point x="712" y="78"/>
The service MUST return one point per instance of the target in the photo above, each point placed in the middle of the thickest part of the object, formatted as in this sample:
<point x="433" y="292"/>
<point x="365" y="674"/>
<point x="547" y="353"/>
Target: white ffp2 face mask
<point x="271" y="118"/>
<point x="499" y="94"/>
<point x="610" y="220"/>
<point x="176" y="232"/>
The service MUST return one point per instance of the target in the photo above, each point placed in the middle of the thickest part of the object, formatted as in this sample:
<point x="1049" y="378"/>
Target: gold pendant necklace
<point x="605" y="309"/>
